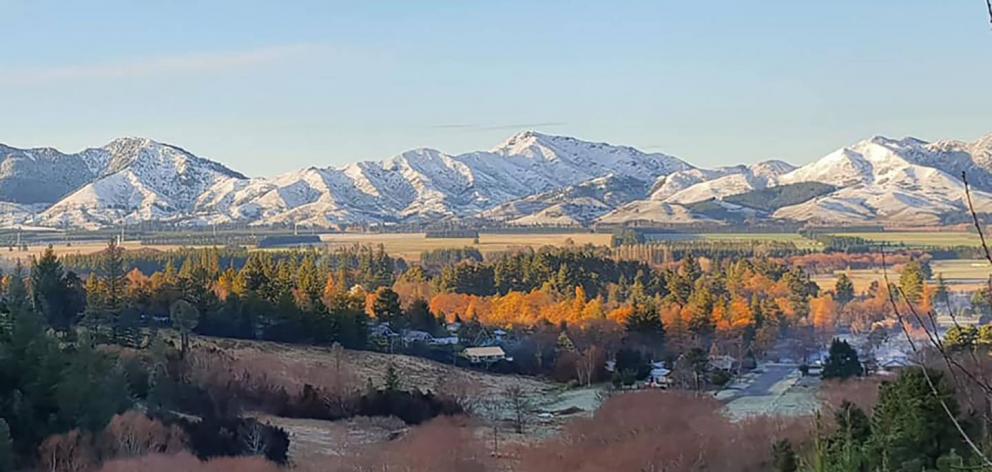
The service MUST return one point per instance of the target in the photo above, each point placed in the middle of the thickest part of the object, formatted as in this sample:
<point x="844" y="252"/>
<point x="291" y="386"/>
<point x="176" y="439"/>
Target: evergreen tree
<point x="959" y="338"/>
<point x="16" y="293"/>
<point x="185" y="319"/>
<point x="419" y="317"/>
<point x="393" y="381"/>
<point x="91" y="390"/>
<point x="843" y="289"/>
<point x="386" y="306"/>
<point x="940" y="295"/>
<point x="842" y="361"/>
<point x="49" y="291"/>
<point x="6" y="448"/>
<point x="645" y="320"/>
<point x="911" y="281"/>
<point x="910" y="424"/>
<point x="845" y="448"/>
<point x="784" y="457"/>
<point x="113" y="275"/>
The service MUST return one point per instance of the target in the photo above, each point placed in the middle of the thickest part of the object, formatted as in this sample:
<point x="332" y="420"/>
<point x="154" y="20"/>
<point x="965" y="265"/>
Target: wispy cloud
<point x="193" y="63"/>
<point x="509" y="126"/>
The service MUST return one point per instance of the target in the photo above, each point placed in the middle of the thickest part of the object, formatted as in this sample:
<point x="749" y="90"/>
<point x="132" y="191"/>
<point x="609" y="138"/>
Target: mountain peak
<point x="885" y="141"/>
<point x="524" y="139"/>
<point x="130" y="141"/>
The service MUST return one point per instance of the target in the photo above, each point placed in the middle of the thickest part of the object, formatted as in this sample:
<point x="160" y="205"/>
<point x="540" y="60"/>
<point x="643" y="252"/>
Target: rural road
<point x="764" y="393"/>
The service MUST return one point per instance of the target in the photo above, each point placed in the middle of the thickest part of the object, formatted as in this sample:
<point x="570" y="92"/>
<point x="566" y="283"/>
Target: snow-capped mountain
<point x="905" y="181"/>
<point x="727" y="181"/>
<point x="136" y="179"/>
<point x="424" y="185"/>
<point x="43" y="175"/>
<point x="575" y="205"/>
<point x="529" y="179"/>
<point x="140" y="180"/>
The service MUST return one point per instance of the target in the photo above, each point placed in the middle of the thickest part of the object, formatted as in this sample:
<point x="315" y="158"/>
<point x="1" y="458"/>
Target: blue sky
<point x="269" y="87"/>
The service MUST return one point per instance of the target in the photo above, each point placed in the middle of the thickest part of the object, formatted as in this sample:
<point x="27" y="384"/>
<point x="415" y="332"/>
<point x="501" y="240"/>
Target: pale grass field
<point x="11" y="257"/>
<point x="410" y="245"/>
<point x="921" y="238"/>
<point x="795" y="238"/>
<point x="965" y="275"/>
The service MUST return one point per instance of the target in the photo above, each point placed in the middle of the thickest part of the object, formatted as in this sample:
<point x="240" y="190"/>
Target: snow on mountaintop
<point x="529" y="179"/>
<point x="696" y="185"/>
<point x="137" y="179"/>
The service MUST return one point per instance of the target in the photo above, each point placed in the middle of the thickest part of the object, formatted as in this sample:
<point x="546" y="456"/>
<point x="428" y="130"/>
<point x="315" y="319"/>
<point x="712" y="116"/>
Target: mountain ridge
<point x="528" y="179"/>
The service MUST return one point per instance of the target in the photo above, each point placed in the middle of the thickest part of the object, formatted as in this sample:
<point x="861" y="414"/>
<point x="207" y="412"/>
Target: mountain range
<point x="531" y="179"/>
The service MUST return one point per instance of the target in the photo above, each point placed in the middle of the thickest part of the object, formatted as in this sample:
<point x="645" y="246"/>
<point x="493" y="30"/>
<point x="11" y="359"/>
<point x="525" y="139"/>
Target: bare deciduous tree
<point x="253" y="438"/>
<point x="70" y="452"/>
<point x="519" y="405"/>
<point x="587" y="362"/>
<point x="133" y="434"/>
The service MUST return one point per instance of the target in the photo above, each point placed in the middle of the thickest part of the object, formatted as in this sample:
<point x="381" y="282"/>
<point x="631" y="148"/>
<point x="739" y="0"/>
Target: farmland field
<point x="921" y="238"/>
<point x="410" y="245"/>
<point x="8" y="258"/>
<point x="964" y="275"/>
<point x="794" y="238"/>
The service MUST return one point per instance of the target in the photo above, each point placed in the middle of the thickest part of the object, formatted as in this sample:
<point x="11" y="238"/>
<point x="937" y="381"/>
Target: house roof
<point x="485" y="351"/>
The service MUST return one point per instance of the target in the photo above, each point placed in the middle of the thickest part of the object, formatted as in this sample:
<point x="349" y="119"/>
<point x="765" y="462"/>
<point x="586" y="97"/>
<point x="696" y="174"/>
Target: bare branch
<point x="971" y="205"/>
<point x="926" y="375"/>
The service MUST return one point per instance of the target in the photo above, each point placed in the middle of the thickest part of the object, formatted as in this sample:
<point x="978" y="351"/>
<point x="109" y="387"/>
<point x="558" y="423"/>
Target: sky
<point x="269" y="87"/>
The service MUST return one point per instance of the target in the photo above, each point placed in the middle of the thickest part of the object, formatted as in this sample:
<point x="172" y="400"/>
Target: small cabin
<point x="487" y="354"/>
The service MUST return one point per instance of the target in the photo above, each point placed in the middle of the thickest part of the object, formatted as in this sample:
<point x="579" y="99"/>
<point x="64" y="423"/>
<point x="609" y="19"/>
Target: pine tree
<point x="16" y="293"/>
<point x="386" y="306"/>
<point x="419" y="317"/>
<point x="49" y="293"/>
<point x="6" y="448"/>
<point x="393" y="380"/>
<point x="843" y="289"/>
<point x="940" y="295"/>
<point x="113" y="275"/>
<point x="842" y="361"/>
<point x="185" y="318"/>
<point x="910" y="424"/>
<point x="784" y="457"/>
<point x="911" y="281"/>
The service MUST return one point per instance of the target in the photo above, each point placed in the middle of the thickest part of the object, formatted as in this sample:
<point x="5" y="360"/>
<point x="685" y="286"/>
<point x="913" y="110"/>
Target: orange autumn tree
<point x="823" y="311"/>
<point x="741" y="315"/>
<point x="721" y="319"/>
<point x="621" y="314"/>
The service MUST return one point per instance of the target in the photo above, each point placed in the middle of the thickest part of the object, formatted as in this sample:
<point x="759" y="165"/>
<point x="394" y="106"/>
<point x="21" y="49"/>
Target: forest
<point x="98" y="364"/>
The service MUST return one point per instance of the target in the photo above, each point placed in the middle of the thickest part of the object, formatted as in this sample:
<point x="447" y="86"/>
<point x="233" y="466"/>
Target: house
<point x="726" y="363"/>
<point x="382" y="330"/>
<point x="894" y="364"/>
<point x="487" y="354"/>
<point x="659" y="377"/>
<point x="411" y="336"/>
<point x="445" y="341"/>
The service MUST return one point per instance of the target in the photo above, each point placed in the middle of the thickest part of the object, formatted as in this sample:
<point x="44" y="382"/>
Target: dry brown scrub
<point x="662" y="431"/>
<point x="187" y="463"/>
<point x="294" y="365"/>
<point x="445" y="444"/>
<point x="862" y="392"/>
